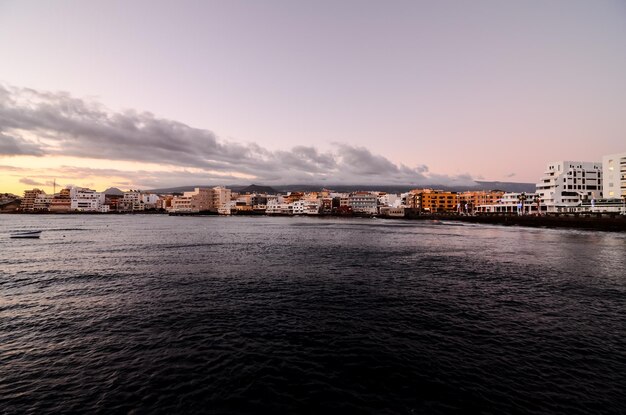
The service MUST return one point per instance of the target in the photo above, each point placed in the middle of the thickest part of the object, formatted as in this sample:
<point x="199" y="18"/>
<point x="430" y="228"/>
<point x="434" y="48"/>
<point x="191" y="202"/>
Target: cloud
<point x="12" y="168"/>
<point x="31" y="182"/>
<point x="17" y="146"/>
<point x="44" y="123"/>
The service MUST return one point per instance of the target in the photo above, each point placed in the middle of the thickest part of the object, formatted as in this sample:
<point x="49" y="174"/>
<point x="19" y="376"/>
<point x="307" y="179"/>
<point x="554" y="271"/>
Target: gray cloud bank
<point x="40" y="123"/>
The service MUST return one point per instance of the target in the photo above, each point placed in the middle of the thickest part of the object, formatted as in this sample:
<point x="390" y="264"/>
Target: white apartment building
<point x="149" y="200"/>
<point x="390" y="199"/>
<point x="565" y="184"/>
<point x="42" y="202"/>
<point x="614" y="171"/>
<point x="305" y="207"/>
<point x="513" y="202"/>
<point x="278" y="207"/>
<point x="87" y="200"/>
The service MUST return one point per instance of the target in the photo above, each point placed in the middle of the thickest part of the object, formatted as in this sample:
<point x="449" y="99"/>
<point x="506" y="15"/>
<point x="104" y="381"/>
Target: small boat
<point x="26" y="234"/>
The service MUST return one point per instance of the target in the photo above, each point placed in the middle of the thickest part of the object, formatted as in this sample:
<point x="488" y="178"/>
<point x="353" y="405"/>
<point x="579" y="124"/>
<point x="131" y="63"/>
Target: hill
<point x="113" y="191"/>
<point x="253" y="188"/>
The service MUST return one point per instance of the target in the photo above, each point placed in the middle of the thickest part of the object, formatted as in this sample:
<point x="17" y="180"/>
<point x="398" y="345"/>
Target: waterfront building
<point x="61" y="202"/>
<point x="326" y="206"/>
<point x="392" y="212"/>
<point x="566" y="184"/>
<point x="149" y="201"/>
<point x="258" y="200"/>
<point x="277" y="207"/>
<point x="433" y="201"/>
<point x="220" y="199"/>
<point x="298" y="207"/>
<point x="364" y="203"/>
<point x="293" y="196"/>
<point x="198" y="200"/>
<point x="513" y="203"/>
<point x="42" y="202"/>
<point x="216" y="200"/>
<point x="131" y="202"/>
<point x="389" y="199"/>
<point x="58" y="205"/>
<point x="304" y="207"/>
<point x="614" y="172"/>
<point x="468" y="201"/>
<point x="87" y="200"/>
<point x="28" y="201"/>
<point x="164" y="202"/>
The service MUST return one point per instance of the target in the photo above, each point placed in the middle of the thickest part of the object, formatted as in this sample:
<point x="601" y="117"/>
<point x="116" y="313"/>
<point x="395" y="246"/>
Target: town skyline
<point x="409" y="93"/>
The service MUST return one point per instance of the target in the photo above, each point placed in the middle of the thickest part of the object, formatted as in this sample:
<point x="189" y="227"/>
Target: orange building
<point x="479" y="198"/>
<point x="434" y="201"/>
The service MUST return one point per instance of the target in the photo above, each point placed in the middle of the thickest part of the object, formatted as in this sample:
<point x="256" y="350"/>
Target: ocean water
<point x="157" y="314"/>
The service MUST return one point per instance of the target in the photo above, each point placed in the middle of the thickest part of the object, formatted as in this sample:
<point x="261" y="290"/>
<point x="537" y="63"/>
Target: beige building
<point x="28" y="202"/>
<point x="214" y="199"/>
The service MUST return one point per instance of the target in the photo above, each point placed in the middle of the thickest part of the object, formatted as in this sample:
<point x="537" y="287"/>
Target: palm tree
<point x="522" y="197"/>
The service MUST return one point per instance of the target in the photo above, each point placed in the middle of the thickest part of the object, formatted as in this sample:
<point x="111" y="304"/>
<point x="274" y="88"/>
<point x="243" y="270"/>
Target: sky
<point x="146" y="94"/>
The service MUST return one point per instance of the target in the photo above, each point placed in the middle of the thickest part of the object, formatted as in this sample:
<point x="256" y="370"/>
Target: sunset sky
<point x="145" y="94"/>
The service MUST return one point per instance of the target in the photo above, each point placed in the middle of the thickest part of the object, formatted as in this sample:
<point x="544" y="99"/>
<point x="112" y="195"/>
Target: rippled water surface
<point x="117" y="314"/>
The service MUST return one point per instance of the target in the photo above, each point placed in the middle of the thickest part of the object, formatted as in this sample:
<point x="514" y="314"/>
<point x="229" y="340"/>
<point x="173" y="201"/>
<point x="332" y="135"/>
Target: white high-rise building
<point x="614" y="171"/>
<point x="565" y="184"/>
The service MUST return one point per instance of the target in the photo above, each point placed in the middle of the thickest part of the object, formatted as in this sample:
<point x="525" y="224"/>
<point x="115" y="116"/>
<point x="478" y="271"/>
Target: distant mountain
<point x="508" y="186"/>
<point x="479" y="185"/>
<point x="179" y="189"/>
<point x="253" y="188"/>
<point x="113" y="191"/>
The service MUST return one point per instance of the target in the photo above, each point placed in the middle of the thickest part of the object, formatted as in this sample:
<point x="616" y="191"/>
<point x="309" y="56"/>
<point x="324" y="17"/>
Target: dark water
<point x="145" y="314"/>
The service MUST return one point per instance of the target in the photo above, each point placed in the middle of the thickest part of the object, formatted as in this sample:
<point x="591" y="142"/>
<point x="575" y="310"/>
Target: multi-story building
<point x="565" y="184"/>
<point x="433" y="201"/>
<point x="293" y="196"/>
<point x="389" y="199"/>
<point x="216" y="200"/>
<point x="364" y="203"/>
<point x="130" y="202"/>
<point x="278" y="207"/>
<point x="61" y="202"/>
<point x="42" y="202"/>
<point x="468" y="201"/>
<point x="87" y="200"/>
<point x="513" y="203"/>
<point x="149" y="201"/>
<point x="326" y="206"/>
<point x="198" y="200"/>
<point x="28" y="202"/>
<point x="614" y="172"/>
<point x="221" y="199"/>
